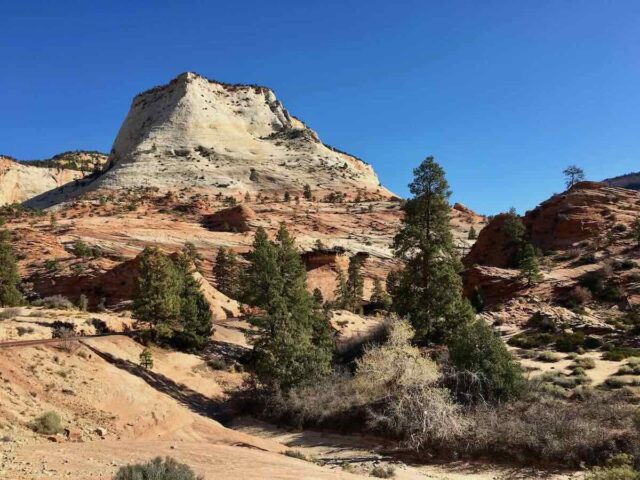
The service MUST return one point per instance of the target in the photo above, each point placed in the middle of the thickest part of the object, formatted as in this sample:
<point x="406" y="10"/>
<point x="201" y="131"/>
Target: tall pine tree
<point x="10" y="296"/>
<point x="428" y="290"/>
<point x="355" y="285"/>
<point x="157" y="297"/>
<point x="227" y="273"/>
<point x="292" y="344"/>
<point x="195" y="312"/>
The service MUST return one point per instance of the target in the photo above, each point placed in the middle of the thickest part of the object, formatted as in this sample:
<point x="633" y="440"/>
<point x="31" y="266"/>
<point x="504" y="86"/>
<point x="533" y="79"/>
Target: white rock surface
<point x="199" y="133"/>
<point x="20" y="182"/>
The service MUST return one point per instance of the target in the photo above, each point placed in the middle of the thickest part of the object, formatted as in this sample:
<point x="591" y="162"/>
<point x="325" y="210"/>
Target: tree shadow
<point x="220" y="411"/>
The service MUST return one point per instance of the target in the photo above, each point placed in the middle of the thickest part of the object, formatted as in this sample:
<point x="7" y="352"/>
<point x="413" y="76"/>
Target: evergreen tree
<point x="157" y="297"/>
<point x="355" y="285"/>
<point x="306" y="192"/>
<point x="379" y="296"/>
<point x="292" y="342"/>
<point x="486" y="369"/>
<point x="472" y="233"/>
<point x="572" y="175"/>
<point x="227" y="273"/>
<point x="195" y="312"/>
<point x="287" y="196"/>
<point x="10" y="296"/>
<point x="428" y="290"/>
<point x="529" y="267"/>
<point x="146" y="359"/>
<point x="318" y="298"/>
<point x="516" y="233"/>
<point x="341" y="292"/>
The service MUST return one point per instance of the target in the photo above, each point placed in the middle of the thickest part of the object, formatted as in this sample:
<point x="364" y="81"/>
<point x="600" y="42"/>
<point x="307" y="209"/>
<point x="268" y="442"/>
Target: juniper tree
<point x="306" y="192"/>
<point x="428" y="289"/>
<point x="10" y="296"/>
<point x="292" y="343"/>
<point x="227" y="273"/>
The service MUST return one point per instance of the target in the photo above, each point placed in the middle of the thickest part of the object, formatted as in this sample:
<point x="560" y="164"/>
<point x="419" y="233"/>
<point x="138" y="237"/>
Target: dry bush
<point x="57" y="302"/>
<point x="10" y="313"/>
<point x="579" y="296"/>
<point x="555" y="431"/>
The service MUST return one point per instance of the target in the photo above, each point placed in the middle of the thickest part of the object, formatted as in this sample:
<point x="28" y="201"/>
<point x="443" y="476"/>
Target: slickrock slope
<point x="590" y="257"/>
<point x="20" y="182"/>
<point x="202" y="134"/>
<point x="630" y="180"/>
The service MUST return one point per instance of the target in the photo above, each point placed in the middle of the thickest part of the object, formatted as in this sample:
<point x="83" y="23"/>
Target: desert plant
<point x="157" y="469"/>
<point x="380" y="471"/>
<point x="49" y="423"/>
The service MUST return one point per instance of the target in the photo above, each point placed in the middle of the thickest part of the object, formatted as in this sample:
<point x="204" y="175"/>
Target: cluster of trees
<point x="524" y="255"/>
<point x="10" y="295"/>
<point x="292" y="340"/>
<point x="349" y="290"/>
<point x="168" y="299"/>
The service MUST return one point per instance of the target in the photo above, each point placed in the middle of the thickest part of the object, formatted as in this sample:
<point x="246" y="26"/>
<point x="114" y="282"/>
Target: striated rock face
<point x="19" y="182"/>
<point x="585" y="212"/>
<point x="194" y="132"/>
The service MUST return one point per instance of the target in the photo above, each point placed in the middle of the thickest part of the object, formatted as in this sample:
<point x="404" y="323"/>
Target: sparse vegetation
<point x="157" y="469"/>
<point x="49" y="423"/>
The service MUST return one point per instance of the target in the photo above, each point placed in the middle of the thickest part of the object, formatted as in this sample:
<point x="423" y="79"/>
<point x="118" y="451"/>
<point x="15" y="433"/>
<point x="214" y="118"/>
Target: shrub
<point x="617" y="354"/>
<point x="485" y="368"/>
<point x="618" y="467"/>
<point x="555" y="430"/>
<point x="529" y="340"/>
<point x="296" y="454"/>
<point x="157" y="469"/>
<point x="48" y="423"/>
<point x="24" y="330"/>
<point x="83" y="302"/>
<point x="10" y="313"/>
<point x="570" y="342"/>
<point x="585" y="363"/>
<point x="55" y="302"/>
<point x="548" y="356"/>
<point x="381" y="471"/>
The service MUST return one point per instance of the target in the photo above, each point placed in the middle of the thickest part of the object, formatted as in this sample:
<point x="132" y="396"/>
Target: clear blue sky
<point x="504" y="94"/>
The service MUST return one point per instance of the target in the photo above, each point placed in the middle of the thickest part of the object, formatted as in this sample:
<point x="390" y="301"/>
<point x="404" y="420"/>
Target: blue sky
<point x="504" y="94"/>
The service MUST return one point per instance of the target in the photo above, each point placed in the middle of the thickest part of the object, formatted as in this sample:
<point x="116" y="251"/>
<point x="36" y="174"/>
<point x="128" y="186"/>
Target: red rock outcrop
<point x="232" y="219"/>
<point x="584" y="212"/>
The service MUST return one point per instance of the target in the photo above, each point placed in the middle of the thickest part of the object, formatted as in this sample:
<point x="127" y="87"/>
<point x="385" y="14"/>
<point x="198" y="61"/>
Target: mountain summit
<point x="203" y="134"/>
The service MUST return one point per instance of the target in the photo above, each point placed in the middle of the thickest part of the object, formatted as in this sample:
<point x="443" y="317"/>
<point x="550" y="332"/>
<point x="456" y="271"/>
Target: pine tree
<point x="355" y="285"/>
<point x="341" y="292"/>
<point x="146" y="359"/>
<point x="306" y="192"/>
<point x="428" y="290"/>
<point x="529" y="267"/>
<point x="292" y="342"/>
<point x="227" y="273"/>
<point x="10" y="296"/>
<point x="635" y="231"/>
<point x="379" y="296"/>
<point x="572" y="175"/>
<point x="157" y="297"/>
<point x="472" y="234"/>
<point x="287" y="196"/>
<point x="516" y="233"/>
<point x="195" y="312"/>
